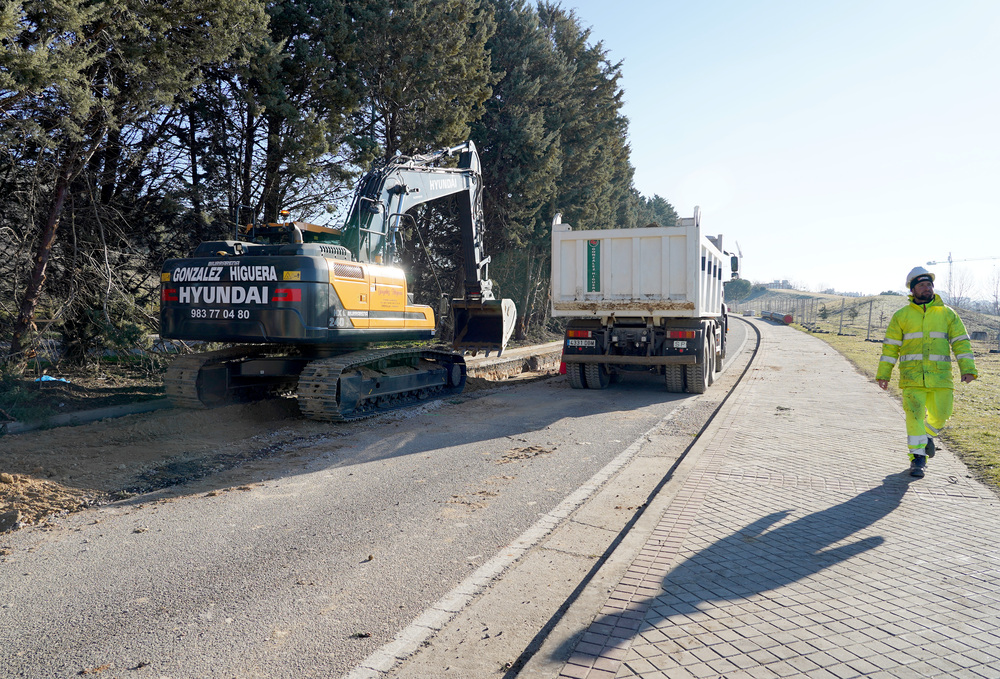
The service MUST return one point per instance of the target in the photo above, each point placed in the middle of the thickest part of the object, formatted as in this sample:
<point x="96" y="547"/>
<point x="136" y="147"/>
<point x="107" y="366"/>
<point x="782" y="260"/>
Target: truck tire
<point x="575" y="373"/>
<point x="597" y="375"/>
<point x="673" y="375"/>
<point x="714" y="358"/>
<point x="720" y="358"/>
<point x="698" y="374"/>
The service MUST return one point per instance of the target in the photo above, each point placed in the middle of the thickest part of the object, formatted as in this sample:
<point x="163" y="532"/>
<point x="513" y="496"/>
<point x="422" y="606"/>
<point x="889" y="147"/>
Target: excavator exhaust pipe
<point x="483" y="325"/>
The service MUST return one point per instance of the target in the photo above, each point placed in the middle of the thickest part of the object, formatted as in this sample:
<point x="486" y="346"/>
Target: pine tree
<point x="73" y="78"/>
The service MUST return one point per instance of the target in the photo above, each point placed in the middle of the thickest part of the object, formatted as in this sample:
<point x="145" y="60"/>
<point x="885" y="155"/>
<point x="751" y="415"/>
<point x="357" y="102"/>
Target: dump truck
<point x="642" y="299"/>
<point x="325" y="313"/>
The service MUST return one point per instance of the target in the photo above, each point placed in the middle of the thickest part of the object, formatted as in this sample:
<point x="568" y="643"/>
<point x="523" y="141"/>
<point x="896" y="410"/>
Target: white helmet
<point x="915" y="273"/>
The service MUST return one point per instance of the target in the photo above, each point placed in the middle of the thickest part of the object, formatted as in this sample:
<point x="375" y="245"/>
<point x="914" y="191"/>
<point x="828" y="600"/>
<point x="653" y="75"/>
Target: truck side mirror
<point x="734" y="262"/>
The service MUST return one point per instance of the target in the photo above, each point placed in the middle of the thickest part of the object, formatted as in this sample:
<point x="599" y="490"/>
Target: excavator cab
<point x="482" y="325"/>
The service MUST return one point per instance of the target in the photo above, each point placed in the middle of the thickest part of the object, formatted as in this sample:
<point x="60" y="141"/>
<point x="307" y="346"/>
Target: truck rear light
<point x="682" y="334"/>
<point x="579" y="333"/>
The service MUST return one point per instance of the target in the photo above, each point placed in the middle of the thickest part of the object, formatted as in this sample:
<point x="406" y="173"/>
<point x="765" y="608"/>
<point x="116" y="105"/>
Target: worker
<point x="921" y="337"/>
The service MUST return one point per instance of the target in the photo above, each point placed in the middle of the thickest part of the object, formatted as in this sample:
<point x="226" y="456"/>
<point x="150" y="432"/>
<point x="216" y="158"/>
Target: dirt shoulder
<point x="65" y="469"/>
<point x="52" y="471"/>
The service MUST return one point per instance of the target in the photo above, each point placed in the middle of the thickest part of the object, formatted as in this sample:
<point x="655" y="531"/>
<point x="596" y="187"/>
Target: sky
<point x="838" y="143"/>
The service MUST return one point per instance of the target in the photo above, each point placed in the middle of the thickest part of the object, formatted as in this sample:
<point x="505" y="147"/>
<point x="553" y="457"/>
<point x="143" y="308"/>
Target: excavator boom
<point x="388" y="192"/>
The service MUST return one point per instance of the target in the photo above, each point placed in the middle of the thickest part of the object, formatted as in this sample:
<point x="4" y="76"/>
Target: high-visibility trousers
<point x="927" y="411"/>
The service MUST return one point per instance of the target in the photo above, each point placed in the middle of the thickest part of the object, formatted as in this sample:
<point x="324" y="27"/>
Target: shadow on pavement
<point x="757" y="559"/>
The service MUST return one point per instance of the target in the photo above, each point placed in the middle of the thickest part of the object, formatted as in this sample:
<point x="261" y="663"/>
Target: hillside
<point x="850" y="315"/>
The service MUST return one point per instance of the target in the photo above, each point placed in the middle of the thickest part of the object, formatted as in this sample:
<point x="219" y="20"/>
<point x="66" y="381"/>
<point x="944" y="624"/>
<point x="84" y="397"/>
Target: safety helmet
<point x="917" y="274"/>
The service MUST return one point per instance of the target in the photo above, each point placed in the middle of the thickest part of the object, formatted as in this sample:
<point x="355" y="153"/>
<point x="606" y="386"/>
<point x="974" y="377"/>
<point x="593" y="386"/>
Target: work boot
<point x="930" y="449"/>
<point x="917" y="465"/>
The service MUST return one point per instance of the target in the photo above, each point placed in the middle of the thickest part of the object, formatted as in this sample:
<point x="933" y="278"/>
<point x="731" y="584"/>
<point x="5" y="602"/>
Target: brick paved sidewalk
<point x="800" y="546"/>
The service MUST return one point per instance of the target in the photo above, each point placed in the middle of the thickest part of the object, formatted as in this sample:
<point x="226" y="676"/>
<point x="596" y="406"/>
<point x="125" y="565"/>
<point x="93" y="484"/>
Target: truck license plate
<point x="581" y="343"/>
<point x="680" y="344"/>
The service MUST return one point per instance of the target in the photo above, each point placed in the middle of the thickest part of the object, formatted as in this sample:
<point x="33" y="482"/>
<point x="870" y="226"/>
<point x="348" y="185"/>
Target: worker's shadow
<point x="755" y="559"/>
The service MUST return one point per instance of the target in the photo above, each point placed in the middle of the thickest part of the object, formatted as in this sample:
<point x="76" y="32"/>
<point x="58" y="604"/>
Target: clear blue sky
<point x="839" y="142"/>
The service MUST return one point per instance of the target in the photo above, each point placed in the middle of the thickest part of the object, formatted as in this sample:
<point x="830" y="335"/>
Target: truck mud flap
<point x="483" y="325"/>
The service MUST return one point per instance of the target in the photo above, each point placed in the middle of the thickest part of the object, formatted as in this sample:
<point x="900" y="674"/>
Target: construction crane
<point x="951" y="261"/>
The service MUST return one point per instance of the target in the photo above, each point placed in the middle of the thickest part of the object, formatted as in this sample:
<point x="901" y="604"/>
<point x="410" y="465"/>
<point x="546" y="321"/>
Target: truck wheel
<point x="575" y="373"/>
<point x="722" y="353"/>
<point x="673" y="375"/>
<point x="597" y="375"/>
<point x="711" y="356"/>
<point x="697" y="378"/>
<point x="698" y="374"/>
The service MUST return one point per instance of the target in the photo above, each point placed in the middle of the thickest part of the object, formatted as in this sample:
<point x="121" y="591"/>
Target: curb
<point x="85" y="416"/>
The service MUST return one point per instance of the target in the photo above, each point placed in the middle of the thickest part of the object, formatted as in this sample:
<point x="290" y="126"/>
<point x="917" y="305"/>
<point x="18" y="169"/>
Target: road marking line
<point x="432" y="620"/>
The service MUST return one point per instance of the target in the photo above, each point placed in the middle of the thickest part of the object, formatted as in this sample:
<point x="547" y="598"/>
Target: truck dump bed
<point x="658" y="272"/>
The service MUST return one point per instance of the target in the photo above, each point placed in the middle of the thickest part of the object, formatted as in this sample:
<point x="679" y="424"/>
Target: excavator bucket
<point x="483" y="325"/>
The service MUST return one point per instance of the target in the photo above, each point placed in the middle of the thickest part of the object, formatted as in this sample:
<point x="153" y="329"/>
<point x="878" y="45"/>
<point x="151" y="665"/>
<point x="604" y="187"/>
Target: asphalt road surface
<point x="336" y="546"/>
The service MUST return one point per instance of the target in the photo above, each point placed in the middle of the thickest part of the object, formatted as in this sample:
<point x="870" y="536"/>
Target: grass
<point x="972" y="432"/>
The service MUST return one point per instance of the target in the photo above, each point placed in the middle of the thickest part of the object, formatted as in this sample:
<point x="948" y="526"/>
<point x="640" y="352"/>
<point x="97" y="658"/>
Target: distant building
<point x="779" y="285"/>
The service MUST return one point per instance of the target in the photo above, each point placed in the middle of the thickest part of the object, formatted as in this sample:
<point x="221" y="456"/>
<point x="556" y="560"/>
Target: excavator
<point x="325" y="313"/>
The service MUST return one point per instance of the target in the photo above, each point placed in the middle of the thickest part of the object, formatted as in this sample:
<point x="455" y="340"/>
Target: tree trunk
<point x="249" y="135"/>
<point x="26" y="314"/>
<point x="271" y="196"/>
<point x="524" y="318"/>
<point x="193" y="150"/>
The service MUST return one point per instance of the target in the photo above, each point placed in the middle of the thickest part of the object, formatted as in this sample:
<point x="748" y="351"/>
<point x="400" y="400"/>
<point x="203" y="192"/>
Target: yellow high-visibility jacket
<point x="921" y="338"/>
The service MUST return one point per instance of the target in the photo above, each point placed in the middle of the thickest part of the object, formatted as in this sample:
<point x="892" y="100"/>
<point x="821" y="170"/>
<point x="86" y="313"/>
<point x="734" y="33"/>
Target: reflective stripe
<point x="931" y="429"/>
<point x="913" y="335"/>
<point x="888" y="359"/>
<point x="961" y="356"/>
<point x="897" y="343"/>
<point x="959" y="338"/>
<point x="939" y="335"/>
<point x="916" y="441"/>
<point x="920" y="357"/>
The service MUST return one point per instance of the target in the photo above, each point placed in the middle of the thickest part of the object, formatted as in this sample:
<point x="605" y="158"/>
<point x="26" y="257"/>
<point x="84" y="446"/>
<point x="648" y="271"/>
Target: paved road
<point x="794" y="543"/>
<point x="319" y="561"/>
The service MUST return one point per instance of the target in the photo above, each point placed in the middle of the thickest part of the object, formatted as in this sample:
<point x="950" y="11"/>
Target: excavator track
<point x="365" y="383"/>
<point x="188" y="386"/>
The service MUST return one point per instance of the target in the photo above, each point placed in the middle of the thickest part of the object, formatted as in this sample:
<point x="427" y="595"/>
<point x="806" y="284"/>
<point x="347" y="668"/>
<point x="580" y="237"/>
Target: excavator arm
<point x="380" y="204"/>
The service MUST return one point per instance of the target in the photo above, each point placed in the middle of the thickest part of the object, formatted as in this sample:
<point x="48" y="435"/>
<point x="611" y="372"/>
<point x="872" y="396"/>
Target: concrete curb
<point x="538" y="358"/>
<point x="85" y="416"/>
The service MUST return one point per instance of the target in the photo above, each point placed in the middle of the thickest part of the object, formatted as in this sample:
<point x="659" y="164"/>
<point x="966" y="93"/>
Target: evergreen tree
<point x="308" y="88"/>
<point x="425" y="71"/>
<point x="596" y="178"/>
<point x="655" y="211"/>
<point x="72" y="79"/>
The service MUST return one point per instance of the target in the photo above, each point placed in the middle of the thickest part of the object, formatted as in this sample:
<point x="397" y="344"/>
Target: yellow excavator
<point x="302" y="305"/>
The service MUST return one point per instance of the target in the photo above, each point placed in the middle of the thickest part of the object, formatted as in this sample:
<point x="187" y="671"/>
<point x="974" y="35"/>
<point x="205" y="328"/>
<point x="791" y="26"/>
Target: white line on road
<point x="407" y="641"/>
